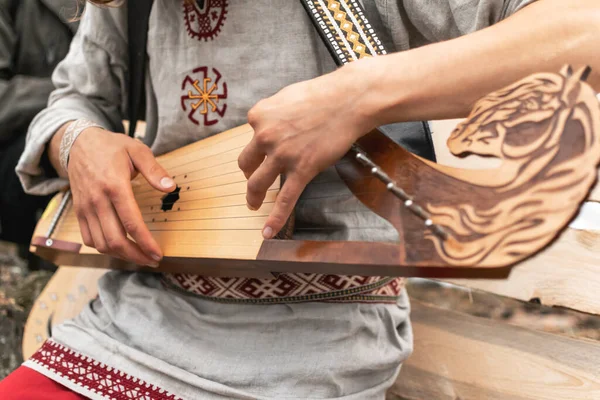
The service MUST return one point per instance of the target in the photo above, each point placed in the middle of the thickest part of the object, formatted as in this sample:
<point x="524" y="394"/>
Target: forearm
<point x="444" y="80"/>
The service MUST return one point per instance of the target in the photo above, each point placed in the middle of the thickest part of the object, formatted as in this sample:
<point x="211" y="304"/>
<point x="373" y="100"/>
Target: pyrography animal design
<point x="542" y="128"/>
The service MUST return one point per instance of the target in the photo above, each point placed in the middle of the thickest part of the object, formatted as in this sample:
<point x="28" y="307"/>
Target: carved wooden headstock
<point x="545" y="129"/>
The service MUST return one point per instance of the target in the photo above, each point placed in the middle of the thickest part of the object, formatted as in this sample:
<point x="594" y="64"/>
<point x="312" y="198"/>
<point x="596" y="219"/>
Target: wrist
<point x="374" y="100"/>
<point x="72" y="132"/>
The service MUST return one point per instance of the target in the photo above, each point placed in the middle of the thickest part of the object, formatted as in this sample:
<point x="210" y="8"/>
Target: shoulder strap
<point x="138" y="16"/>
<point x="344" y="28"/>
<point x="349" y="36"/>
<point x="342" y="24"/>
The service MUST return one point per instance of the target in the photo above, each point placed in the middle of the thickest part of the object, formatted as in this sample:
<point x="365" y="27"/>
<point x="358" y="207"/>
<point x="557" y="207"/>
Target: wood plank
<point x="565" y="274"/>
<point x="65" y="295"/>
<point x="463" y="357"/>
<point x="239" y="244"/>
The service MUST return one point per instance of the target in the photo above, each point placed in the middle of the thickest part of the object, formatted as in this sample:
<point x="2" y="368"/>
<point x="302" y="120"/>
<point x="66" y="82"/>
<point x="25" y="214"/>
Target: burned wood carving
<point x="545" y="131"/>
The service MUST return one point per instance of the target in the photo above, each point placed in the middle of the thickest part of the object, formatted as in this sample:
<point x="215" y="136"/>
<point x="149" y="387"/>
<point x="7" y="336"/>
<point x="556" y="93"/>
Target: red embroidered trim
<point x="205" y="18"/>
<point x="291" y="287"/>
<point x="94" y="376"/>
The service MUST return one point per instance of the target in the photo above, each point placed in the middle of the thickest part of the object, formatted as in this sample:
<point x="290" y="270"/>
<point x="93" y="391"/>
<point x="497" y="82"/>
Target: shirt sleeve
<point x="21" y="97"/>
<point x="415" y="23"/>
<point x="90" y="83"/>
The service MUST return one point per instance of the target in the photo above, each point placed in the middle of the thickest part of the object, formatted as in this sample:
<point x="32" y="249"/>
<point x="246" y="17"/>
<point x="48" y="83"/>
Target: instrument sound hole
<point x="169" y="200"/>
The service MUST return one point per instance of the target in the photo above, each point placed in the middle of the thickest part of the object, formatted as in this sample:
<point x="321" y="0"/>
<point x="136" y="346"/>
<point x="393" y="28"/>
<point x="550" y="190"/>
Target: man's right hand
<point x="101" y="166"/>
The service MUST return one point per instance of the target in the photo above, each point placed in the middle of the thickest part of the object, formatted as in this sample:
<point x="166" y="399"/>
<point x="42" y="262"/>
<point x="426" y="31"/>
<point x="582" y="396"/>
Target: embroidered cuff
<point x="73" y="131"/>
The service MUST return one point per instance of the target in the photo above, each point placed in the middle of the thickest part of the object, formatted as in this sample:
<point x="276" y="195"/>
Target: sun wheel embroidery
<point x="204" y="95"/>
<point x="204" y="18"/>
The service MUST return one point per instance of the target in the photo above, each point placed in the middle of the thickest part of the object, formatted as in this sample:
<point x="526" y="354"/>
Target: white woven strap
<point x="73" y="131"/>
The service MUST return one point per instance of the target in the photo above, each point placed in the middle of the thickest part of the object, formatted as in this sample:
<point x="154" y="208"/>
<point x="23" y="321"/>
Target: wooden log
<point x="463" y="357"/>
<point x="566" y="274"/>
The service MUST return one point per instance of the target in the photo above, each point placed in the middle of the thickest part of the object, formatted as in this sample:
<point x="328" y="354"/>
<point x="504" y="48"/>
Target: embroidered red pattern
<point x="291" y="287"/>
<point x="93" y="376"/>
<point x="204" y="18"/>
<point x="204" y="95"/>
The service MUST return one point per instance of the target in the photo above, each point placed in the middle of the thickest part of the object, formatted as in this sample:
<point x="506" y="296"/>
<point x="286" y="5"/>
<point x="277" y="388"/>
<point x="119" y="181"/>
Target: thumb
<point x="143" y="160"/>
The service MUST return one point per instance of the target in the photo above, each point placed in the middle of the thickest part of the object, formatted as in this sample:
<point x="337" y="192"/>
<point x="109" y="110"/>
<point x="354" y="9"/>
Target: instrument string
<point x="205" y="208"/>
<point x="199" y="147"/>
<point x="190" y="189"/>
<point x="72" y="218"/>
<point x="204" y="178"/>
<point x="167" y="220"/>
<point x="188" y="230"/>
<point x="262" y="216"/>
<point x="241" y="193"/>
<point x="146" y="185"/>
<point x="71" y="225"/>
<point x="157" y="220"/>
<point x="165" y="163"/>
<point x="144" y="210"/>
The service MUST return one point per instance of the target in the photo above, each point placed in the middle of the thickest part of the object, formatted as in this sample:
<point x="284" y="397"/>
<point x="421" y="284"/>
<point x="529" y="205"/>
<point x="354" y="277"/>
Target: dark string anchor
<point x="391" y="186"/>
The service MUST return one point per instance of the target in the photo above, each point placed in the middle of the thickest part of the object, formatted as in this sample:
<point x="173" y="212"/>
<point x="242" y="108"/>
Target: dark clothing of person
<point x="35" y="36"/>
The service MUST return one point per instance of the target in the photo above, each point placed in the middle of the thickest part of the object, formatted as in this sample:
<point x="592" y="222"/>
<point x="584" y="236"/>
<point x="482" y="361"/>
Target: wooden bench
<point x="459" y="356"/>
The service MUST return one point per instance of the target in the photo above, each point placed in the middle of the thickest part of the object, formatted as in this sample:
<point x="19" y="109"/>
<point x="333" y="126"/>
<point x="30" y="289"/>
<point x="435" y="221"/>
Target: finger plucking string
<point x="260" y="182"/>
<point x="251" y="158"/>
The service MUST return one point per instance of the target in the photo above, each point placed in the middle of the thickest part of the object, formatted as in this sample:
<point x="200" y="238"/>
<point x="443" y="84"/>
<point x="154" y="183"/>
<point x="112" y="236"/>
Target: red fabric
<point x="27" y="384"/>
<point x="94" y="376"/>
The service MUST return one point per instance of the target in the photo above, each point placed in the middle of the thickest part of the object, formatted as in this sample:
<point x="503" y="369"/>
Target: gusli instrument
<point x="451" y="222"/>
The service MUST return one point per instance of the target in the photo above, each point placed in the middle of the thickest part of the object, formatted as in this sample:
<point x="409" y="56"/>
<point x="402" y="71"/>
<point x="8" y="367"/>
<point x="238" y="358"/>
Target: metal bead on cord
<point x="391" y="186"/>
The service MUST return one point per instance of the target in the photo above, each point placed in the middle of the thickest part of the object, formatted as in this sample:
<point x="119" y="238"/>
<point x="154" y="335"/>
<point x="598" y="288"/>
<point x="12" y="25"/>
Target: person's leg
<point x="27" y="384"/>
<point x="18" y="210"/>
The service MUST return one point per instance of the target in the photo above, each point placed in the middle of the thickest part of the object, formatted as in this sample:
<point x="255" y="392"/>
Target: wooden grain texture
<point x="65" y="295"/>
<point x="468" y="358"/>
<point x="565" y="274"/>
<point x="503" y="214"/>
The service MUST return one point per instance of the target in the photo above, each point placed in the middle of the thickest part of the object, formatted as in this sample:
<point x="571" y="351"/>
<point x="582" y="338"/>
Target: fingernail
<point x="167" y="182"/>
<point x="156" y="257"/>
<point x="152" y="265"/>
<point x="268" y="232"/>
<point x="250" y="207"/>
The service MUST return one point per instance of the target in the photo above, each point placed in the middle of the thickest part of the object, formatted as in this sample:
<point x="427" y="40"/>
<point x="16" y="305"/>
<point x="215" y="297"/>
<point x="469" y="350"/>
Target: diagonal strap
<point x="344" y="28"/>
<point x="348" y="35"/>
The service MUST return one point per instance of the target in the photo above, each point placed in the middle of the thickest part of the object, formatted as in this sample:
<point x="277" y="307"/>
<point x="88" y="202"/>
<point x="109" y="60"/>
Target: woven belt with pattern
<point x="289" y="288"/>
